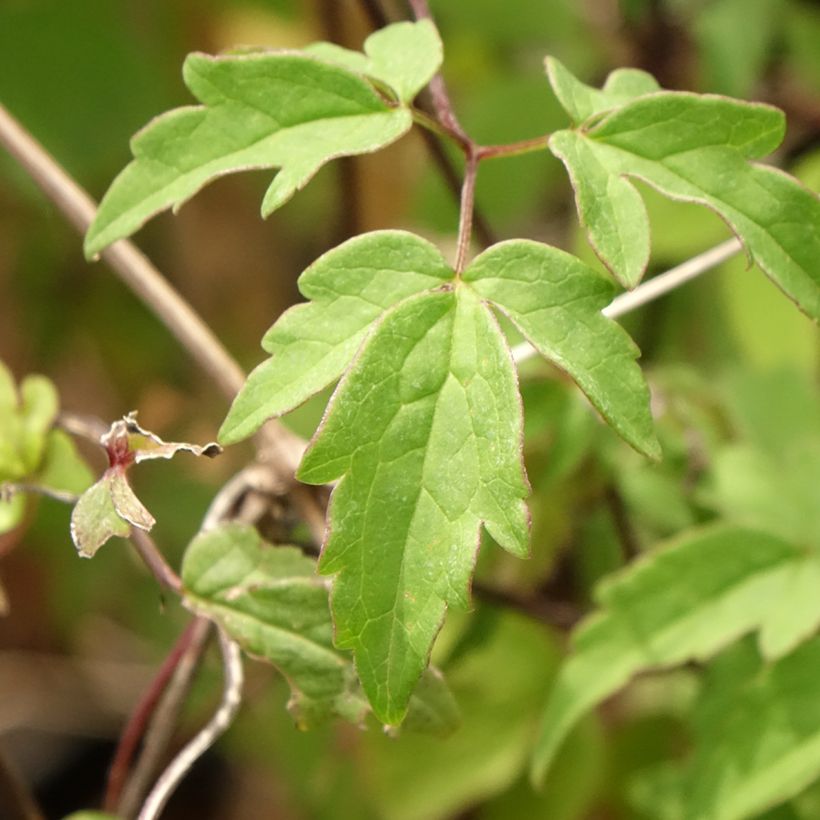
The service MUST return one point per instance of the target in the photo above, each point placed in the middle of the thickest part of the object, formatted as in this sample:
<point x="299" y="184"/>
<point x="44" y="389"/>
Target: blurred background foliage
<point x="732" y="364"/>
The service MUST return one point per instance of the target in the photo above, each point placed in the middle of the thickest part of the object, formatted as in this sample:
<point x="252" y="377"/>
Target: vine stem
<point x="153" y="558"/>
<point x="656" y="287"/>
<point x="137" y="723"/>
<point x="206" y="737"/>
<point x="162" y="722"/>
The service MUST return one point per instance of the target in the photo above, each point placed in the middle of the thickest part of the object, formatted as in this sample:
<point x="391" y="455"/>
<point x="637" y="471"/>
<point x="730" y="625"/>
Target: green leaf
<point x="776" y="494"/>
<point x="403" y="56"/>
<point x="270" y="600"/>
<point x="582" y="101"/>
<point x="25" y="421"/>
<point x="350" y="287"/>
<point x="695" y="148"/>
<point x="555" y="301"/>
<point x="95" y="517"/>
<point x="424" y="435"/>
<point x="265" y="110"/>
<point x="424" y="778"/>
<point x="681" y="602"/>
<point x="757" y="737"/>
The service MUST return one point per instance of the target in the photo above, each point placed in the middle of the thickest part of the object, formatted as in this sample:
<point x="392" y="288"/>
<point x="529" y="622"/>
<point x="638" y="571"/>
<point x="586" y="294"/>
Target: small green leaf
<point x="424" y="433"/>
<point x="695" y="148"/>
<point x="757" y="740"/>
<point x="270" y="600"/>
<point x="403" y="56"/>
<point x="582" y="101"/>
<point x="95" y="518"/>
<point x="281" y="110"/>
<point x="683" y="601"/>
<point x="350" y="287"/>
<point x="25" y="421"/>
<point x="555" y="300"/>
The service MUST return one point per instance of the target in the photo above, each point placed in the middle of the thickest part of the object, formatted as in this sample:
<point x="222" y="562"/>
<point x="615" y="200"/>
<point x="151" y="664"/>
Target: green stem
<point x="513" y="149"/>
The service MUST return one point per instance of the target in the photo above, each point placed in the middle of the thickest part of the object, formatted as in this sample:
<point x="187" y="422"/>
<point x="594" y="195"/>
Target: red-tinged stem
<point x="134" y="730"/>
<point x="513" y="149"/>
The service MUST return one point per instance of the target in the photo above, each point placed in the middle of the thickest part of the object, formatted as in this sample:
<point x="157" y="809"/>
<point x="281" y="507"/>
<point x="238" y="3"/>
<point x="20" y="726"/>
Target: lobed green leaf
<point x="312" y="344"/>
<point x="285" y="110"/>
<point x="693" y="148"/>
<point x="555" y="300"/>
<point x="582" y="101"/>
<point x="424" y="435"/>
<point x="403" y="56"/>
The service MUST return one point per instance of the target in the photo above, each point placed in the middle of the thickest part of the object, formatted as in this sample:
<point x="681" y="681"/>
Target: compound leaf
<point x="424" y="435"/>
<point x="270" y="600"/>
<point x="555" y="300"/>
<point x="312" y="344"/>
<point x="285" y="110"/>
<point x="683" y="601"/>
<point x="694" y="148"/>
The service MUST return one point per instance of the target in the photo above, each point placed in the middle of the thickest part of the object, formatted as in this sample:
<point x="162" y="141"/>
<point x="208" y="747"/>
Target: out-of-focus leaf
<point x="25" y="421"/>
<point x="734" y="38"/>
<point x="487" y="754"/>
<point x="264" y="110"/>
<point x="777" y="495"/>
<point x="62" y="467"/>
<point x="684" y="601"/>
<point x="757" y="737"/>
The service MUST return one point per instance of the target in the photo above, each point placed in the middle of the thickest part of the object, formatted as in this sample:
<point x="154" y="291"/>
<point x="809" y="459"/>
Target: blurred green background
<point x="732" y="364"/>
